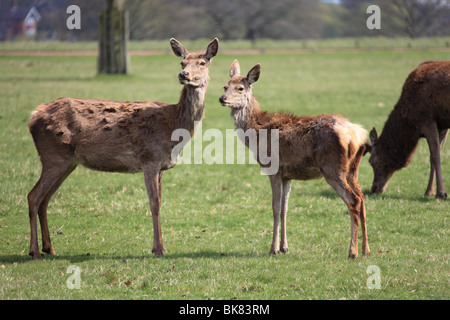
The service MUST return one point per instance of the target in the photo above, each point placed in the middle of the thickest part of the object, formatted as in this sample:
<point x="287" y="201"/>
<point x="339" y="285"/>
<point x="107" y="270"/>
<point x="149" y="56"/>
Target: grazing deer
<point x="116" y="137"/>
<point x="309" y="147"/>
<point x="423" y="110"/>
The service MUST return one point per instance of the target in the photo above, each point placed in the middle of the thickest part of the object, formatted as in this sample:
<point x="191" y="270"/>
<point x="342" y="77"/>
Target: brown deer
<point x="310" y="147"/>
<point x="116" y="137"/>
<point x="423" y="110"/>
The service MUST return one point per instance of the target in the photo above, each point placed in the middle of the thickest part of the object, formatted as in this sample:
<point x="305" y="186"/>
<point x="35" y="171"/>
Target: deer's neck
<point x="244" y="117"/>
<point x="192" y="106"/>
<point x="398" y="140"/>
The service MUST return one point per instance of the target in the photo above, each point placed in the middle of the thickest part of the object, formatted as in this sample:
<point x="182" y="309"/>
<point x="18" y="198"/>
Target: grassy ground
<point x="216" y="219"/>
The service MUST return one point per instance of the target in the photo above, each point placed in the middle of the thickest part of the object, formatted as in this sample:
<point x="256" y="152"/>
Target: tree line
<point x="248" y="19"/>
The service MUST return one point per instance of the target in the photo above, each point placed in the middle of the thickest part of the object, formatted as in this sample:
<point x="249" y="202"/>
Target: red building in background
<point x="18" y="21"/>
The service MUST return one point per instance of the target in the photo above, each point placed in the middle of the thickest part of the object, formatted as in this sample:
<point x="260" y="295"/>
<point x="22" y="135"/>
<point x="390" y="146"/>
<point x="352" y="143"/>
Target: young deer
<point x="423" y="110"/>
<point x="116" y="137"/>
<point x="309" y="147"/>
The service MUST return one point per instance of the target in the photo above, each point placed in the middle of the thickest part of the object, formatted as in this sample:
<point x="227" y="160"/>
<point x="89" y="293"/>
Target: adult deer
<point x="309" y="147"/>
<point x="116" y="137"/>
<point x="423" y="110"/>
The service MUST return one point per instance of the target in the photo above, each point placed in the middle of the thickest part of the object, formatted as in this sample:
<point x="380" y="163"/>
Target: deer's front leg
<point x="153" y="183"/>
<point x="276" y="185"/>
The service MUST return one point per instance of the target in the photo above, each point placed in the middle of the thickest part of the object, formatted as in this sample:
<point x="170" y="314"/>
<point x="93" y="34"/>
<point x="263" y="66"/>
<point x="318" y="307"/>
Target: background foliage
<point x="248" y="19"/>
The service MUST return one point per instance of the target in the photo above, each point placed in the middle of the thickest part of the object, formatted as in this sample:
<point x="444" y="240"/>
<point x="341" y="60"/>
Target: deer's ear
<point x="253" y="74"/>
<point x="235" y="69"/>
<point x="178" y="49"/>
<point x="373" y="135"/>
<point x="212" y="49"/>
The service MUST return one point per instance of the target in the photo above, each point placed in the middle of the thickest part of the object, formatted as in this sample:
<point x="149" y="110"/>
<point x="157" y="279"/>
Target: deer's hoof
<point x="159" y="254"/>
<point x="442" y="195"/>
<point x="49" y="251"/>
<point x="35" y="255"/>
<point x="284" y="250"/>
<point x="274" y="252"/>
<point x="352" y="256"/>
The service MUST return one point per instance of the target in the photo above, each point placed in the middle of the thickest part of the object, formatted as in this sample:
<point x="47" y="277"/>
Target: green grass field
<point x="217" y="219"/>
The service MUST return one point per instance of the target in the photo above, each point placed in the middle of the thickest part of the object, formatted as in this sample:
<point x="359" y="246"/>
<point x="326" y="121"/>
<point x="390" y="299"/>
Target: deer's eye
<point x="202" y="63"/>
<point x="241" y="88"/>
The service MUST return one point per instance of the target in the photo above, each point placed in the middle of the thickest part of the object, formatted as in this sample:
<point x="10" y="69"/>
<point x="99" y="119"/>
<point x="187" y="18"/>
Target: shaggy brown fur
<point x="309" y="147"/>
<point x="117" y="137"/>
<point x="423" y="110"/>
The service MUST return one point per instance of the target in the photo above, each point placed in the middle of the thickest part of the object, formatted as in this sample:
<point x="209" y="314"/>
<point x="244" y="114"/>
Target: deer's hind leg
<point x="52" y="176"/>
<point x="286" y="189"/>
<point x="432" y="135"/>
<point x="336" y="176"/>
<point x="352" y="180"/>
<point x="430" y="188"/>
<point x="46" y="243"/>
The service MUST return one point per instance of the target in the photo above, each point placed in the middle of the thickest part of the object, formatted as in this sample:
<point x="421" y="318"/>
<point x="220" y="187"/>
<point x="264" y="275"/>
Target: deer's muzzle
<point x="223" y="100"/>
<point x="183" y="77"/>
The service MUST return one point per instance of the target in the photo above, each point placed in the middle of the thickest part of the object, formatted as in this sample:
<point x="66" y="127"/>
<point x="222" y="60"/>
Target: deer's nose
<point x="183" y="75"/>
<point x="223" y="100"/>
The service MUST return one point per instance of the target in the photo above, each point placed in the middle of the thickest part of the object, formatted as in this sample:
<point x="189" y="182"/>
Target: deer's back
<point x="302" y="139"/>
<point x="426" y="94"/>
<point x="106" y="135"/>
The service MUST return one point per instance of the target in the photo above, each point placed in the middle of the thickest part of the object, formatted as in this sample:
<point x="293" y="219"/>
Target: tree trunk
<point x="113" y="42"/>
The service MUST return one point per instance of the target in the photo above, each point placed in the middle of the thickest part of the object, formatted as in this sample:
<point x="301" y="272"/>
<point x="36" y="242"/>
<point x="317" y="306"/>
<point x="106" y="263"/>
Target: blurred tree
<point x="331" y="17"/>
<point x="222" y="15"/>
<point x="352" y="18"/>
<point x="415" y="18"/>
<point x="162" y="19"/>
<point x="253" y="19"/>
<point x="355" y="4"/>
<point x="260" y="14"/>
